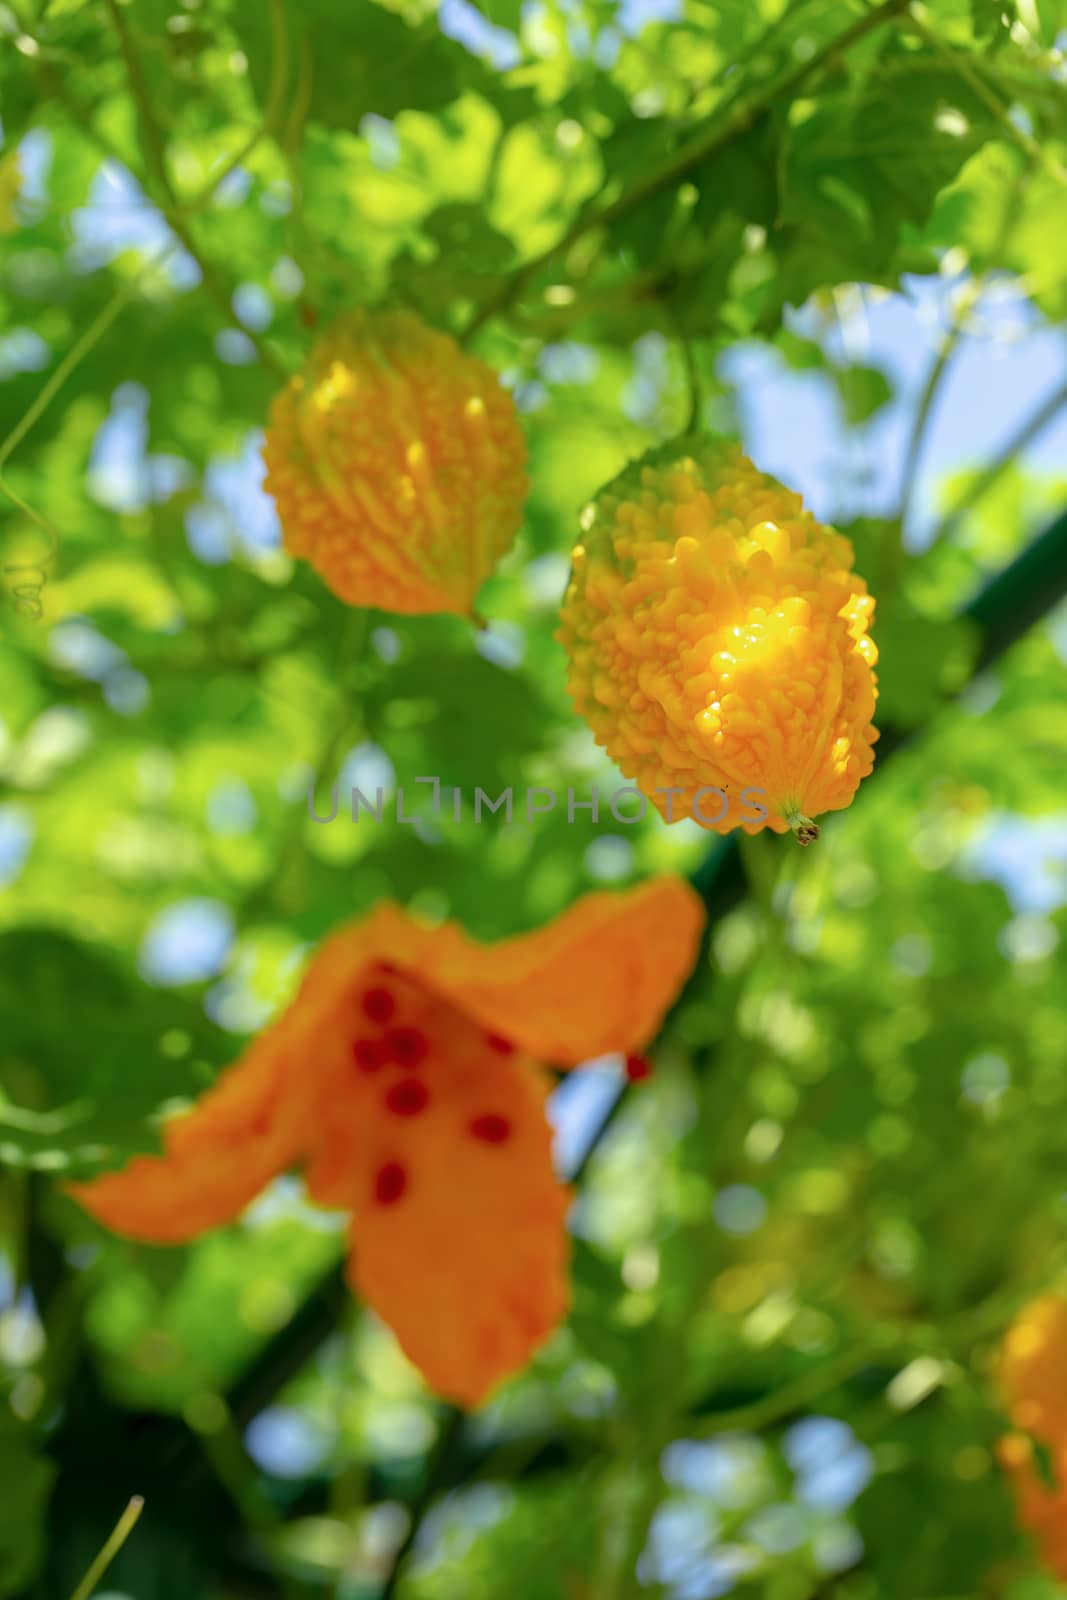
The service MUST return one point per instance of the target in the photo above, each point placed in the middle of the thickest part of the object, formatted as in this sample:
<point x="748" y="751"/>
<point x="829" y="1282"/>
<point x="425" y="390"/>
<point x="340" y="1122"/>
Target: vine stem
<point x="447" y="1440"/>
<point x="170" y="205"/>
<point x="981" y="485"/>
<point x="272" y="112"/>
<point x="100" y="324"/>
<point x="791" y="1397"/>
<point x="347" y="728"/>
<point x="75" y="355"/>
<point x="122" y="1530"/>
<point x="695" y="412"/>
<point x="949" y="344"/>
<point x="702" y="147"/>
<point x="931" y="389"/>
<point x="57" y="88"/>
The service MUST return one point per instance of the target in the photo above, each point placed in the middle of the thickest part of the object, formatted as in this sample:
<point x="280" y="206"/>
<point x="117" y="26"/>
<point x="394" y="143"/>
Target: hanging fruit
<point x="718" y="643"/>
<point x="397" y="464"/>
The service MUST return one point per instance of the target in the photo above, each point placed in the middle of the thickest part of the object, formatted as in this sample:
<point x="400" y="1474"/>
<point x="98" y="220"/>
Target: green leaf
<point x="502" y="13"/>
<point x="743" y="178"/>
<point x="27" y="1477"/>
<point x="1005" y="213"/>
<point x="991" y="19"/>
<point x="802" y="355"/>
<point x="973" y="1533"/>
<point x="368" y="59"/>
<point x="863" y="391"/>
<point x="1051" y="16"/>
<point x="860" y="164"/>
<point x="921" y="661"/>
<point x="88" y="1056"/>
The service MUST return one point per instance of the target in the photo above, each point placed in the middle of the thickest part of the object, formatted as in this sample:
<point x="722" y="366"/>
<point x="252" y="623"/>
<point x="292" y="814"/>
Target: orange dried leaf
<point x="408" y="1078"/>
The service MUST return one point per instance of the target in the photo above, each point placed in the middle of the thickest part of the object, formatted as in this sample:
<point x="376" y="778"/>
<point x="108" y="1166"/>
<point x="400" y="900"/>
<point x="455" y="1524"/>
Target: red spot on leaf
<point x="406" y="1046"/>
<point x="497" y="1041"/>
<point x="368" y="1055"/>
<point x="491" y="1127"/>
<point x="378" y="1005"/>
<point x="389" y="1183"/>
<point x="638" y="1068"/>
<point x="408" y="1097"/>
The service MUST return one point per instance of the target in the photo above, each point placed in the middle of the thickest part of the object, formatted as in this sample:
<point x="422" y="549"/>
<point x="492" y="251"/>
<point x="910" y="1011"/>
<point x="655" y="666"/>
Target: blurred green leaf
<point x="864" y="391"/>
<point x="922" y="661"/>
<point x="862" y="163"/>
<point x="370" y="60"/>
<point x="27" y="1477"/>
<point x="87" y="1057"/>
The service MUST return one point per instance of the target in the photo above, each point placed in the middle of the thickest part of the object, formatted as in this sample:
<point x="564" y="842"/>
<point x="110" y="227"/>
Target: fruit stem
<point x="805" y="830"/>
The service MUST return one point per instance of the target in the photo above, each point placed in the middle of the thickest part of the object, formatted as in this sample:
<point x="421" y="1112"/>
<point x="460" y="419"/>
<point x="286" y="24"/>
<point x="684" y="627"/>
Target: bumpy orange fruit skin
<point x="1033" y="1380"/>
<point x="718" y="640"/>
<point x="397" y="464"/>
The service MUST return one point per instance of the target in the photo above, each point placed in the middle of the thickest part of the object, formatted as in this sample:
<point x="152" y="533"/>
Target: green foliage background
<point x="803" y="1214"/>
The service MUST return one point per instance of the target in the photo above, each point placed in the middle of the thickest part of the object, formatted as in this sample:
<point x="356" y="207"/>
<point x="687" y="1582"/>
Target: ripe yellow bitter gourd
<point x="718" y="643"/>
<point x="397" y="464"/>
